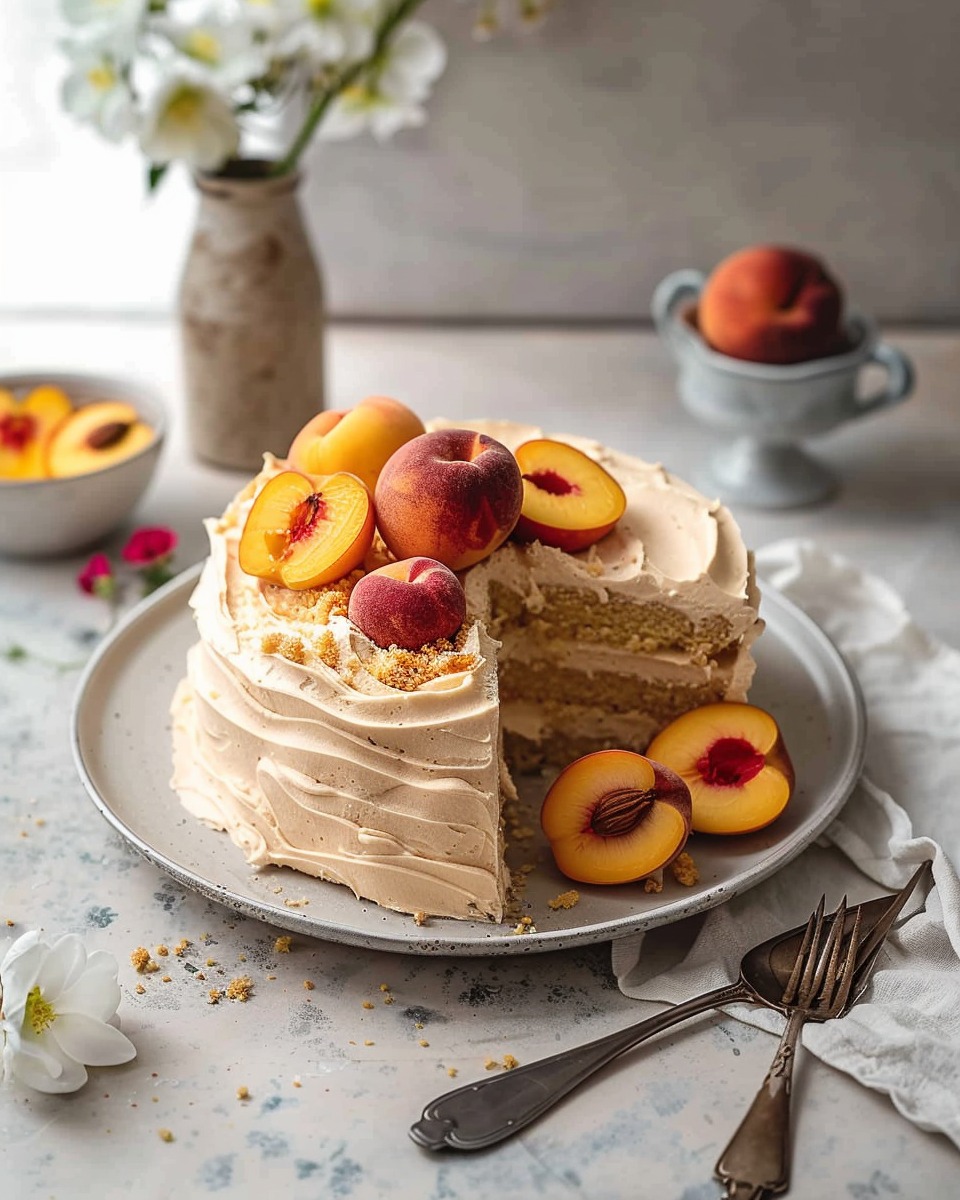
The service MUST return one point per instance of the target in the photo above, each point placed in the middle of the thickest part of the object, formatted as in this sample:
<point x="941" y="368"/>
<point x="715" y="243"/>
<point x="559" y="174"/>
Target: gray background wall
<point x="562" y="174"/>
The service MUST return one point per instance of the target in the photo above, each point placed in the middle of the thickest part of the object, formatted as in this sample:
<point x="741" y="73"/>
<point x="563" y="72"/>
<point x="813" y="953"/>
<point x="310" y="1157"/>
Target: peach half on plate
<point x="43" y="515"/>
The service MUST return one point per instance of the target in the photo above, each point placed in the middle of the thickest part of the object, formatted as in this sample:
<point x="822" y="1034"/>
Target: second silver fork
<point x="756" y="1162"/>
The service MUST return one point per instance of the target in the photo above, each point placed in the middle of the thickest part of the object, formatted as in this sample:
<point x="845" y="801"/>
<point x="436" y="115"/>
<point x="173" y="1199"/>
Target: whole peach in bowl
<point x="453" y="495"/>
<point x="766" y="353"/>
<point x="77" y="453"/>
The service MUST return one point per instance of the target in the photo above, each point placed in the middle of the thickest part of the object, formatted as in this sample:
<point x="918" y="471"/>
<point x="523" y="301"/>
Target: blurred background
<point x="561" y="173"/>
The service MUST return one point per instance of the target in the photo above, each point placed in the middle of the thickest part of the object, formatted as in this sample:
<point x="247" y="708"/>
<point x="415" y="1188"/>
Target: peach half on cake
<point x="26" y="427"/>
<point x="453" y="495"/>
<point x="569" y="501"/>
<point x="358" y="440"/>
<point x="615" y="817"/>
<point x="303" y="532"/>
<point x="408" y="603"/>
<point x="734" y="761"/>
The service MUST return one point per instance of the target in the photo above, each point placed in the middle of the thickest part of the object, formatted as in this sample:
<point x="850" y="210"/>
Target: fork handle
<point x="756" y="1161"/>
<point x="492" y="1109"/>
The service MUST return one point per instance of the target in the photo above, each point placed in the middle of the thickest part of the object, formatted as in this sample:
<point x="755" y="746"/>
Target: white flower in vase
<point x="110" y="24"/>
<point x="327" y="32"/>
<point x="229" y="48"/>
<point x="189" y="119"/>
<point x="391" y="96"/>
<point x="58" y="1005"/>
<point x="97" y="91"/>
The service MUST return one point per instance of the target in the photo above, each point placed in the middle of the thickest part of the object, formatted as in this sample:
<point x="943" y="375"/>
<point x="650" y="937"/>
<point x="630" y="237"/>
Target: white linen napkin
<point x="903" y="1036"/>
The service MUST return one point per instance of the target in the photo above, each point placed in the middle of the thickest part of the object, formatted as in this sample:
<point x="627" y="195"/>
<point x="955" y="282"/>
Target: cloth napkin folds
<point x="903" y="1036"/>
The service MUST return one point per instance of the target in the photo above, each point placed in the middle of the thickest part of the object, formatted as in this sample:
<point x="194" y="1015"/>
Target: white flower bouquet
<point x="188" y="78"/>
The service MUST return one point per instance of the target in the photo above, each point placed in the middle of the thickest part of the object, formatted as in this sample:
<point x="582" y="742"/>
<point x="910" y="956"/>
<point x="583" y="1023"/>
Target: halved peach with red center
<point x="735" y="763"/>
<point x="303" y="532"/>
<point x="26" y="427"/>
<point x="569" y="501"/>
<point x="96" y="436"/>
<point x="615" y="817"/>
<point x="359" y="440"/>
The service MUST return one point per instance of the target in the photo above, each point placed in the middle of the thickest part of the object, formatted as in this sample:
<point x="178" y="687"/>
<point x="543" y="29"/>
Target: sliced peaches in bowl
<point x="304" y="531"/>
<point x="569" y="501"/>
<point x="733" y="759"/>
<point x="26" y="427"/>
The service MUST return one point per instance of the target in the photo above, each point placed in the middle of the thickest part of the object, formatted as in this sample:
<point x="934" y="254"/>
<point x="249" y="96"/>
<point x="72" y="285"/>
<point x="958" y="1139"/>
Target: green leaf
<point x="155" y="175"/>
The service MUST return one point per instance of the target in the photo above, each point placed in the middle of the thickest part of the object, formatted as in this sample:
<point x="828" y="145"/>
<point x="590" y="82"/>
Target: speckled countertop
<point x="336" y="1073"/>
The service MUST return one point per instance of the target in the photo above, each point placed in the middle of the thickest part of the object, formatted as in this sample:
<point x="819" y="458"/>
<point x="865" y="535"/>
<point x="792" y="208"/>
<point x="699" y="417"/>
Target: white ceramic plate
<point x="121" y="743"/>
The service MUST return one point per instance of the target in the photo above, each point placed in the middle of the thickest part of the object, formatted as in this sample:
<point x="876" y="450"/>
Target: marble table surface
<point x="335" y="1073"/>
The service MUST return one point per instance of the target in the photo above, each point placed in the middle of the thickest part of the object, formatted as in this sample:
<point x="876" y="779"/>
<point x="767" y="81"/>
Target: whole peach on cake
<point x="96" y="436"/>
<point x="359" y="440"/>
<point x="734" y="761"/>
<point x="772" y="304"/>
<point x="569" y="501"/>
<point x="408" y="603"/>
<point x="453" y="495"/>
<point x="614" y="817"/>
<point x="26" y="427"/>
<point x="303" y="532"/>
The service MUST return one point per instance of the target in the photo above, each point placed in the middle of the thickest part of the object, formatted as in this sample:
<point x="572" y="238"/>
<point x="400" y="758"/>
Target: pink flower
<point x="96" y="578"/>
<point x="149" y="545"/>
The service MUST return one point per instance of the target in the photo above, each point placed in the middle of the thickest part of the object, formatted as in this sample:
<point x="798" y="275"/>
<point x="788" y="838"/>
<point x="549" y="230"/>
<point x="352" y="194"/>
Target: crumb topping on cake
<point x="315" y="605"/>
<point x="406" y="670"/>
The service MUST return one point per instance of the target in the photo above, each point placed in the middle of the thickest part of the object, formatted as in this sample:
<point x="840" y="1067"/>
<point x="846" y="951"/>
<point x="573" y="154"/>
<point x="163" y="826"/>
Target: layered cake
<point x="323" y="732"/>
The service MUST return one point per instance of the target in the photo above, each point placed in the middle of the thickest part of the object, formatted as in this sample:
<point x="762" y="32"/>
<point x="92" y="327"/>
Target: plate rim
<point x="499" y="941"/>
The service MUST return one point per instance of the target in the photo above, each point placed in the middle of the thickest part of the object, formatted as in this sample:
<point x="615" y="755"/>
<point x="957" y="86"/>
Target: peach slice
<point x="734" y="761"/>
<point x="614" y="817"/>
<point x="359" y="441"/>
<point x="26" y="427"/>
<point x="97" y="436"/>
<point x="408" y="603"/>
<point x="302" y="532"/>
<point x="453" y="495"/>
<point x="569" y="501"/>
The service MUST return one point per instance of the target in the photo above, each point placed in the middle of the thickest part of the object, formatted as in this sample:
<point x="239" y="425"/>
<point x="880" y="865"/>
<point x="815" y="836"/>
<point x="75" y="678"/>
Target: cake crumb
<point x="368" y="1004"/>
<point x="164" y="1135"/>
<point x="140" y="989"/>
<point x="240" y="988"/>
<point x="241" y="958"/>
<point x="368" y="1042"/>
<point x="418" y="1025"/>
<point x="490" y="1064"/>
<point x="10" y="923"/>
<point x="384" y="987"/>
<point x="296" y="903"/>
<point x="309" y="984"/>
<point x="685" y="870"/>
<point x="564" y="900"/>
<point x="182" y="945"/>
<point x="282" y="944"/>
<point x="214" y="996"/>
<point x="524" y="925"/>
<point x="296" y="1081"/>
<point x="652" y="885"/>
<point x="243" y="1093"/>
<point x="509" y="1062"/>
<point x="165" y="979"/>
<point x="161" y="951"/>
<point x="201" y="976"/>
<point x="141" y="960"/>
<point x="40" y="822"/>
<point x="211" y="962"/>
<point x="288" y="647"/>
<point x="271" y="976"/>
<point x="452" y="1072"/>
<point x="423" y="1042"/>
<point x="420" y="918"/>
<point x="388" y="999"/>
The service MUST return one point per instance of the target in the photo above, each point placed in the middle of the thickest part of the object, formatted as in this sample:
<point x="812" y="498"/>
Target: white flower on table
<point x="58" y="1003"/>
<point x="228" y="46"/>
<point x="327" y="32"/>
<point x="391" y="95"/>
<point x="96" y="91"/>
<point x="187" y="118"/>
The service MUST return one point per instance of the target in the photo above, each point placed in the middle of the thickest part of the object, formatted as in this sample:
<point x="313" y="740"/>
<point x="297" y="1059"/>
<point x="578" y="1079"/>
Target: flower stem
<point x="394" y="18"/>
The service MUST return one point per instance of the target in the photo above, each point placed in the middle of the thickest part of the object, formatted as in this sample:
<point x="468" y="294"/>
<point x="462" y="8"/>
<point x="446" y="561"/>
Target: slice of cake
<point x="386" y="767"/>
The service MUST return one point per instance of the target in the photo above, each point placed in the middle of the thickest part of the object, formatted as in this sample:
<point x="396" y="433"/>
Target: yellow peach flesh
<point x="26" y="427"/>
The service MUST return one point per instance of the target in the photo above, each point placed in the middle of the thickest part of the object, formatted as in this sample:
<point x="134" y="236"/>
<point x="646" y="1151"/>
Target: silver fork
<point x="756" y="1162"/>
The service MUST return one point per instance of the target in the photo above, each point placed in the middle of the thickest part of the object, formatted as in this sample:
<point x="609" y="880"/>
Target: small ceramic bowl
<point x="768" y="408"/>
<point x="42" y="518"/>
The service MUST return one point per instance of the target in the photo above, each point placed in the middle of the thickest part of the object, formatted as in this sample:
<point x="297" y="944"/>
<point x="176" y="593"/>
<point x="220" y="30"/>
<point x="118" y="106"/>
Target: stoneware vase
<point x="766" y="412"/>
<point x="251" y="318"/>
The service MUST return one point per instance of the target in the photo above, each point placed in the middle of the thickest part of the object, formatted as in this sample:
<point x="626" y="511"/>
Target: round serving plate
<point x="122" y="748"/>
